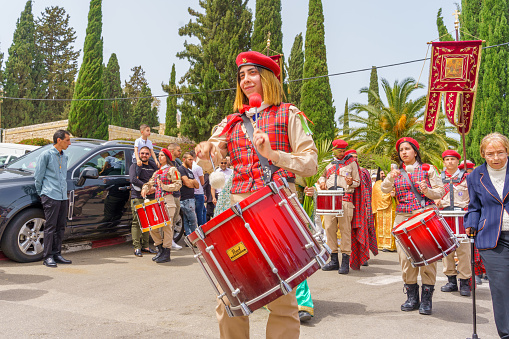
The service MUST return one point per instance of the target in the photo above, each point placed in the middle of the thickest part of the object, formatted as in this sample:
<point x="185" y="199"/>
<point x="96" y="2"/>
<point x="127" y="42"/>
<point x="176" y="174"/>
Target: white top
<point x="227" y="173"/>
<point x="142" y="143"/>
<point x="197" y="172"/>
<point x="497" y="177"/>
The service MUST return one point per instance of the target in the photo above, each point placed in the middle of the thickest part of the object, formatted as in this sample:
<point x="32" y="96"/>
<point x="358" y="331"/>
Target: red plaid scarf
<point x="363" y="224"/>
<point x="406" y="198"/>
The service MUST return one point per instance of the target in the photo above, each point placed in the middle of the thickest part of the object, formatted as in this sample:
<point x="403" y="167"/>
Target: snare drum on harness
<point x="454" y="219"/>
<point x="329" y="202"/>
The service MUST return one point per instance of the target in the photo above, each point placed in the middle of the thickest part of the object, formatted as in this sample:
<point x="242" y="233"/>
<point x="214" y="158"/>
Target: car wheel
<point x="178" y="229"/>
<point x="23" y="239"/>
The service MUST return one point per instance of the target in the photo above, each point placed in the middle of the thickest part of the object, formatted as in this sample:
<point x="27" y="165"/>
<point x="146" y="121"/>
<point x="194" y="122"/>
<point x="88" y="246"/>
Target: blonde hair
<point x="494" y="138"/>
<point x="272" y="90"/>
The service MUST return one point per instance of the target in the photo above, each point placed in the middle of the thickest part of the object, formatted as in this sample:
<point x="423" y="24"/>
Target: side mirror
<point x="87" y="173"/>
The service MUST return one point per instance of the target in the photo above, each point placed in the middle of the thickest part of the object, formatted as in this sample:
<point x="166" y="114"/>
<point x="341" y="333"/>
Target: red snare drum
<point x="152" y="215"/>
<point x="425" y="237"/>
<point x="455" y="221"/>
<point x="329" y="202"/>
<point x="258" y="250"/>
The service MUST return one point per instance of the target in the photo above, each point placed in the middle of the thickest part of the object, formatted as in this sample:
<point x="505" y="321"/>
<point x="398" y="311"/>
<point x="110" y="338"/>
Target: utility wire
<point x="232" y="89"/>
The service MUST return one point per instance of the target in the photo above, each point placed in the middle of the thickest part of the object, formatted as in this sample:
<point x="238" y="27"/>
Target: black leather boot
<point x="165" y="256"/>
<point x="426" y="302"/>
<point x="159" y="252"/>
<point x="333" y="264"/>
<point x="412" y="301"/>
<point x="345" y="264"/>
<point x="465" y="287"/>
<point x="451" y="286"/>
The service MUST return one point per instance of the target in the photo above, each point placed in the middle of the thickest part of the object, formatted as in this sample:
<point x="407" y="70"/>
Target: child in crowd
<point x="142" y="142"/>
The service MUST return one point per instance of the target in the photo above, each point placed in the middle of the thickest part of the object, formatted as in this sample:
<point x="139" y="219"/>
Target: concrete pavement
<point x="109" y="293"/>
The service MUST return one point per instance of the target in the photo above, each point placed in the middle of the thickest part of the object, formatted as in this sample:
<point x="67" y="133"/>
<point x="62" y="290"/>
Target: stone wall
<point x="45" y="130"/>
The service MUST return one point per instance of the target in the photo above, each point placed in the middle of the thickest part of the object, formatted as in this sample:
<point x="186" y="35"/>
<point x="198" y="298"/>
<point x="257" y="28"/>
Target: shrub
<point x="35" y="142"/>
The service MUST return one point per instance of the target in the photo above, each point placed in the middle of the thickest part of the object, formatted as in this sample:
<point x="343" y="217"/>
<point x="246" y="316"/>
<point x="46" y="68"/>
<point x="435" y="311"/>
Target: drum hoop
<point x="398" y="231"/>
<point x="324" y="193"/>
<point x="277" y="287"/>
<point x="436" y="257"/>
<point x="458" y="213"/>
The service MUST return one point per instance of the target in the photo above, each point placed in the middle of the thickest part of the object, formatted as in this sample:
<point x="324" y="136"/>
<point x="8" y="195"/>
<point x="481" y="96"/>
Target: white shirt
<point x="228" y="172"/>
<point x="197" y="172"/>
<point x="140" y="143"/>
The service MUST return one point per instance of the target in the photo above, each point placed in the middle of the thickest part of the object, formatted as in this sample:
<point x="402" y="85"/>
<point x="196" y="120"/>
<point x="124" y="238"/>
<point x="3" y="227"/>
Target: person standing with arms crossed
<point x="51" y="186"/>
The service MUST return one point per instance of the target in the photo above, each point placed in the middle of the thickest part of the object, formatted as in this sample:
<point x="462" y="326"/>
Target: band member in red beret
<point x="429" y="187"/>
<point x="279" y="137"/>
<point x="470" y="166"/>
<point x="342" y="172"/>
<point x="455" y="198"/>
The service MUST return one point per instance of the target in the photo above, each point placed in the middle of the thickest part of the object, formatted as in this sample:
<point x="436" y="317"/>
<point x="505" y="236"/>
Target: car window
<point x="29" y="160"/>
<point x="12" y="158"/>
<point x="3" y="159"/>
<point x="110" y="162"/>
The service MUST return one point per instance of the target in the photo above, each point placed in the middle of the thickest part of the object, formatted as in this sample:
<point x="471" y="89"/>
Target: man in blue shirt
<point x="51" y="185"/>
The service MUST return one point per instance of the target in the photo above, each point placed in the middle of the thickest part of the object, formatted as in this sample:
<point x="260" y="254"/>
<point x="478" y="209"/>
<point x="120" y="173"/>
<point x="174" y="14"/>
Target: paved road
<point x="110" y="293"/>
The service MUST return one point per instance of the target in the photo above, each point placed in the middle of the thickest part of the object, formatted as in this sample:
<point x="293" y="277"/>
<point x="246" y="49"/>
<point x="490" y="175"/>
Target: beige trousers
<point x="344" y="224"/>
<point x="464" y="269"/>
<point x="166" y="237"/>
<point x="409" y="273"/>
<point x="283" y="322"/>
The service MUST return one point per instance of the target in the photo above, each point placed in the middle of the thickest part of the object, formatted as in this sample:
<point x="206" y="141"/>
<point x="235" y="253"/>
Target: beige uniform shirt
<point x="460" y="192"/>
<point x="350" y="170"/>
<point x="176" y="184"/>
<point x="301" y="161"/>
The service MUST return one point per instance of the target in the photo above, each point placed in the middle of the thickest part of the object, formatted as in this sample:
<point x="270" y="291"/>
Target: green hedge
<point x="35" y="142"/>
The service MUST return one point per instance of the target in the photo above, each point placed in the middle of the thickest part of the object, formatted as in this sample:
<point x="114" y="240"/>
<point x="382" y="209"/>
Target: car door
<point x="101" y="205"/>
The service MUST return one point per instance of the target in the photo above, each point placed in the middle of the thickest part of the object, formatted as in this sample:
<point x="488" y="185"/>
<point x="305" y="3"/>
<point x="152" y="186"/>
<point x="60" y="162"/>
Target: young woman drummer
<point x="429" y="187"/>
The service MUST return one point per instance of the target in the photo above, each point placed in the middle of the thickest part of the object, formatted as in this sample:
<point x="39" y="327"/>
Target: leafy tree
<point x="55" y="39"/>
<point x="87" y="117"/>
<point x="23" y="75"/>
<point x="295" y="70"/>
<point x="443" y="33"/>
<point x="316" y="98"/>
<point x="222" y="32"/>
<point x="381" y="125"/>
<point x="171" y="105"/>
<point x="373" y="86"/>
<point x="346" y="119"/>
<point x="116" y="111"/>
<point x="1" y="73"/>
<point x="267" y="19"/>
<point x="142" y="110"/>
<point x="470" y="18"/>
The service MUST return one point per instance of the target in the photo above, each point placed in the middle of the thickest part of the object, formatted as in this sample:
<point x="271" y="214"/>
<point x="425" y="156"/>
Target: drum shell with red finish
<point x="152" y="215"/>
<point x="283" y="242"/>
<point x="451" y="216"/>
<point x="425" y="237"/>
<point x="329" y="202"/>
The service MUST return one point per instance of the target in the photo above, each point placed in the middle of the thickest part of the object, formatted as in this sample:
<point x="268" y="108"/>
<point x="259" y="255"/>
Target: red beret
<point x="407" y="139"/>
<point x="257" y="59"/>
<point x="451" y="153"/>
<point x="167" y="153"/>
<point x="470" y="164"/>
<point x="338" y="143"/>
<point x="350" y="152"/>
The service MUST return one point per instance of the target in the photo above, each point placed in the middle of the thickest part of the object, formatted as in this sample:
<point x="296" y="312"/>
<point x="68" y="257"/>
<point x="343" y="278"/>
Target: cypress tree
<point x="143" y="111"/>
<point x="469" y="19"/>
<point x="55" y="39"/>
<point x="222" y="32"/>
<point x="24" y="74"/>
<point x="373" y="87"/>
<point x="346" y="119"/>
<point x="316" y="100"/>
<point x="87" y="118"/>
<point x="171" y="105"/>
<point x="267" y="19"/>
<point x="295" y="70"/>
<point x="114" y="110"/>
<point x="1" y="72"/>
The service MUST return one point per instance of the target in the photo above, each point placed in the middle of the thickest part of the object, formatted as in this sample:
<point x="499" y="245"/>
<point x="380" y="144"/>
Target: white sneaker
<point x="175" y="246"/>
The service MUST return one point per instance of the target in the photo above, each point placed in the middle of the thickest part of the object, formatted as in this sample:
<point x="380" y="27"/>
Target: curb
<point x="87" y="245"/>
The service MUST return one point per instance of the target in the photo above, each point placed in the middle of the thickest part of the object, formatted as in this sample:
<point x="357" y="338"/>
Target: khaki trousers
<point x="344" y="224"/>
<point x="283" y="322"/>
<point x="464" y="270"/>
<point x="409" y="273"/>
<point x="167" y="231"/>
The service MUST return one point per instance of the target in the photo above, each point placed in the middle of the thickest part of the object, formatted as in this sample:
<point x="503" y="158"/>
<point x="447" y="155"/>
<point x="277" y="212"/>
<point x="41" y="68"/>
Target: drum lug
<point x="210" y="248"/>
<point x="274" y="187"/>
<point x="285" y="288"/>
<point x="245" y="309"/>
<point x="237" y="210"/>
<point x="229" y="311"/>
<point x="236" y="292"/>
<point x="320" y="261"/>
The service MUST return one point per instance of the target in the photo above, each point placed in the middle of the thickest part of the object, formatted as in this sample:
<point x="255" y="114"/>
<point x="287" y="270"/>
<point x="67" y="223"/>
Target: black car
<point x="98" y="192"/>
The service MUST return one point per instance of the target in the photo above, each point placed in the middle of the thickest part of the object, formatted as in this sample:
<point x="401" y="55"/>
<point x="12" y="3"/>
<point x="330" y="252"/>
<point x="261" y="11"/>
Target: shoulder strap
<point x="414" y="191"/>
<point x="267" y="170"/>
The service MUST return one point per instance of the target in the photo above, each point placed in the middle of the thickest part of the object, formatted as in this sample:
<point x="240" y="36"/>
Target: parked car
<point x="7" y="148"/>
<point x="7" y="158"/>
<point x="99" y="198"/>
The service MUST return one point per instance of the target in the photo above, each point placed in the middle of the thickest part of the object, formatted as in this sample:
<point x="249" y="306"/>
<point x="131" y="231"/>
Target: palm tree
<point x="383" y="124"/>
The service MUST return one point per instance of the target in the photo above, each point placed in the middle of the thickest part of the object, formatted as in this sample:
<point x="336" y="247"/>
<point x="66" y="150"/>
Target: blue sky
<point x="358" y="35"/>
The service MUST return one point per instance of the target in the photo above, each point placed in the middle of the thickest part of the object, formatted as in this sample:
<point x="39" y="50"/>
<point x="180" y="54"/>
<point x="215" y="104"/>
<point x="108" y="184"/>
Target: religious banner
<point x="454" y="70"/>
<point x="279" y="60"/>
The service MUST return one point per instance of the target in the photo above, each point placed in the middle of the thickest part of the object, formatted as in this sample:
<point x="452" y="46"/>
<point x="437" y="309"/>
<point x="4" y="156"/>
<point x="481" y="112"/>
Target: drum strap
<point x="417" y="195"/>
<point x="337" y="163"/>
<point x="267" y="169"/>
<point x="452" y="182"/>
